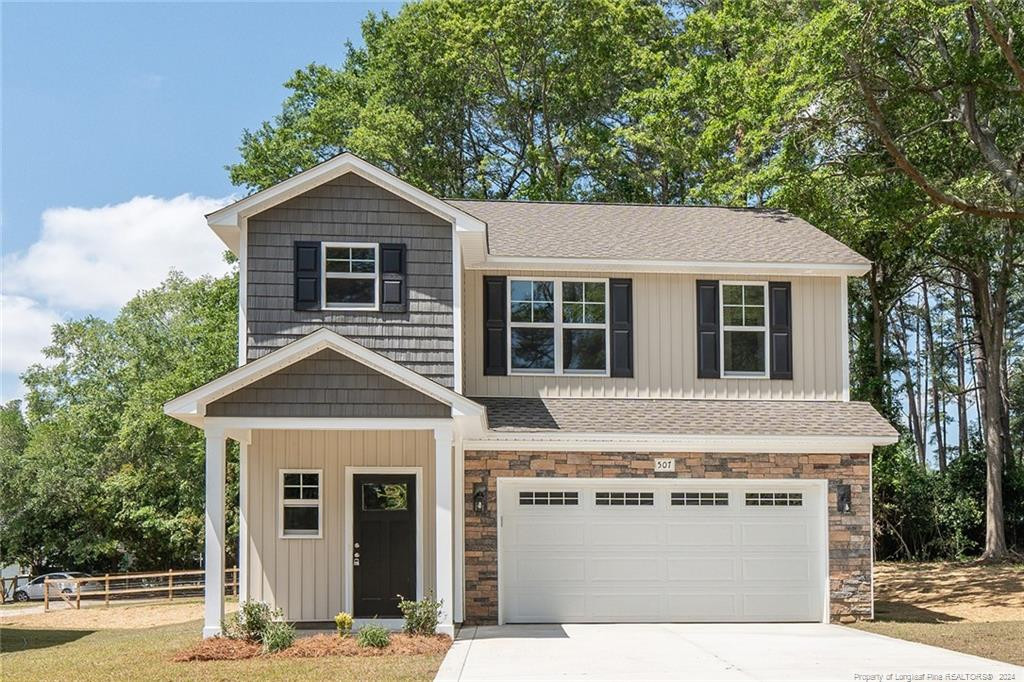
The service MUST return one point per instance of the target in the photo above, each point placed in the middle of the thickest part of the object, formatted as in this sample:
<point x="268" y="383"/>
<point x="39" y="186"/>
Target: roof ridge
<point x="764" y="209"/>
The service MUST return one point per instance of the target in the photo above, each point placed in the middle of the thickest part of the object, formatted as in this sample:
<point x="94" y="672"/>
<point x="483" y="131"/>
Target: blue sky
<point x="118" y="120"/>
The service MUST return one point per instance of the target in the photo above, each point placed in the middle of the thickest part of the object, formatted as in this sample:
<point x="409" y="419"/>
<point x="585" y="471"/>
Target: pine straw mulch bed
<point x="317" y="646"/>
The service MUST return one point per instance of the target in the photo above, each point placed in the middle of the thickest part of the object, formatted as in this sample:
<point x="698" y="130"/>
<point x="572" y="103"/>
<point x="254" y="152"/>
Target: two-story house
<point x="536" y="412"/>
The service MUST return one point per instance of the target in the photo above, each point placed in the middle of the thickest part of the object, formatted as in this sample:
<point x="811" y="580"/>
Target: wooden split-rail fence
<point x="157" y="584"/>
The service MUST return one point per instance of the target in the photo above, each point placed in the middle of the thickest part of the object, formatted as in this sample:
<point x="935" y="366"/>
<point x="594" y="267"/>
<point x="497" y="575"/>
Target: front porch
<point x="347" y="473"/>
<point x="314" y="573"/>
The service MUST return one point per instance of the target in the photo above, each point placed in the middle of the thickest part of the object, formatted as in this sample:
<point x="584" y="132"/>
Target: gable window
<point x="744" y="329"/>
<point x="350" y="273"/>
<point x="300" y="503"/>
<point x="558" y="326"/>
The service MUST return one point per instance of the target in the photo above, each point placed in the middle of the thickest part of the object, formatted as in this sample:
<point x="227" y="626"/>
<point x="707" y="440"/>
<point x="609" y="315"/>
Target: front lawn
<point x="146" y="653"/>
<point x="969" y="607"/>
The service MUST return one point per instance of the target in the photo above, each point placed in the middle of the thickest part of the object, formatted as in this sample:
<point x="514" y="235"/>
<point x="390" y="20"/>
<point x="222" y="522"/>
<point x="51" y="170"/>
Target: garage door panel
<point x="534" y="568"/>
<point x="777" y="605"/>
<point x="702" y="569"/>
<point x="545" y="533"/>
<point x="613" y="568"/>
<point x="603" y="533"/>
<point x="704" y="606"/>
<point x="786" y="569"/>
<point x="663" y="562"/>
<point x="779" y="534"/>
<point x="694" y="534"/>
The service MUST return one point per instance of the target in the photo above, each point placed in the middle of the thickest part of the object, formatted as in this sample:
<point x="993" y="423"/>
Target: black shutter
<point x="780" y="331"/>
<point x="393" y="288"/>
<point x="307" y="275"/>
<point x="707" y="329"/>
<point x="494" y="326"/>
<point x="621" y="327"/>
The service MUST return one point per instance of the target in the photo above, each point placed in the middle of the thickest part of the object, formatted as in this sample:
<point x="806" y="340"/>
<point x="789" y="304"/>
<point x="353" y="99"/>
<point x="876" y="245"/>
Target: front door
<point x="384" y="537"/>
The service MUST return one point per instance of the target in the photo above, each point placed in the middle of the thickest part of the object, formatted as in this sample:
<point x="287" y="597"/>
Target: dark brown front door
<point x="384" y="533"/>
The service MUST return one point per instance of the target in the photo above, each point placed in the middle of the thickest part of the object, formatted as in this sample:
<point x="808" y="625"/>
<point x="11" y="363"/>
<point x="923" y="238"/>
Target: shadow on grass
<point x="25" y="639"/>
<point x="899" y="612"/>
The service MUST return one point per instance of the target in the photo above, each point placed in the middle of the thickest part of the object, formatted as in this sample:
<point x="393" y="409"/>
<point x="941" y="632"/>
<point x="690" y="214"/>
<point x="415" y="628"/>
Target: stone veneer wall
<point x="849" y="534"/>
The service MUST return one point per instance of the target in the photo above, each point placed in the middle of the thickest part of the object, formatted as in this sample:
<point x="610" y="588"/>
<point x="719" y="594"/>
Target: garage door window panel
<point x="623" y="499"/>
<point x="699" y="499"/>
<point x="774" y="499"/>
<point x="544" y="498"/>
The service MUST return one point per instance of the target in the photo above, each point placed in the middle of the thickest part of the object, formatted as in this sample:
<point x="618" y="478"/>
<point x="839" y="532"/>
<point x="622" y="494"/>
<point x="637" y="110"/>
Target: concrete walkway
<point x="699" y="652"/>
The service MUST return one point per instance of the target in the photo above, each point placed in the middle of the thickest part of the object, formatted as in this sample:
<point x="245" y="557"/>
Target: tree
<point x="105" y="480"/>
<point x="490" y="99"/>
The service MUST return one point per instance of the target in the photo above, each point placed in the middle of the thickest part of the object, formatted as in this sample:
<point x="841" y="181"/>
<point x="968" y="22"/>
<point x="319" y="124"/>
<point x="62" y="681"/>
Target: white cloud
<point x="89" y="259"/>
<point x="93" y="260"/>
<point x="25" y="331"/>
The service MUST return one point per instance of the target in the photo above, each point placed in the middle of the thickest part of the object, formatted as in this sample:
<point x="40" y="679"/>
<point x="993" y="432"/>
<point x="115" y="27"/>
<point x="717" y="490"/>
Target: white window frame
<point x="324" y="275"/>
<point x="558" y="326"/>
<point x="737" y="328"/>
<point x="318" y="503"/>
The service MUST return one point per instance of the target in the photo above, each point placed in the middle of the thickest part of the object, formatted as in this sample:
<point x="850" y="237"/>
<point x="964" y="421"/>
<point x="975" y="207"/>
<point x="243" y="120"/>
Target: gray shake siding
<point x="351" y="208"/>
<point x="327" y="384"/>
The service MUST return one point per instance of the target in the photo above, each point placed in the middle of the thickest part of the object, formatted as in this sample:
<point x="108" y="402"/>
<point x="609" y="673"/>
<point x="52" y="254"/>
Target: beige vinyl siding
<point x="665" y="355"/>
<point x="306" y="577"/>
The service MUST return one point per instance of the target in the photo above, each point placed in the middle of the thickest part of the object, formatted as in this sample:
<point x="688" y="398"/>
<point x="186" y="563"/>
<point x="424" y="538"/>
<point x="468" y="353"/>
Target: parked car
<point x="59" y="582"/>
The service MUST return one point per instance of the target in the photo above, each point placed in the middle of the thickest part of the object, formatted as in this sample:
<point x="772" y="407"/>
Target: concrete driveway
<point x="700" y="652"/>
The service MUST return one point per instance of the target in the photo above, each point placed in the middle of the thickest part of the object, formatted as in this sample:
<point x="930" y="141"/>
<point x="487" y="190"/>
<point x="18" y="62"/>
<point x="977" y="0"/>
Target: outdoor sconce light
<point x="843" y="499"/>
<point x="479" y="497"/>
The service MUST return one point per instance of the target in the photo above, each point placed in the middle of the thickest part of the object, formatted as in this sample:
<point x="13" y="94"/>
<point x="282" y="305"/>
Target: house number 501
<point x="662" y="466"/>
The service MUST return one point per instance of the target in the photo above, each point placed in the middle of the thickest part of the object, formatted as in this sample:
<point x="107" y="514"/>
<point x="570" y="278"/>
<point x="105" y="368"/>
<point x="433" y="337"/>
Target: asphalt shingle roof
<point x="690" y="417"/>
<point x="538" y="229"/>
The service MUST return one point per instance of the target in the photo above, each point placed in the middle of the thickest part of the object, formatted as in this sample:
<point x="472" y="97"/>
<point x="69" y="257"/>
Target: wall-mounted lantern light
<point x="844" y="500"/>
<point x="479" y="497"/>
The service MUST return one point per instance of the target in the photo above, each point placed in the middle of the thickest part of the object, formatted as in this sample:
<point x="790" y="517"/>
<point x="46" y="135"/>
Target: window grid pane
<point x="774" y="499"/>
<point x="549" y="498"/>
<point x="699" y="499"/>
<point x="624" y="499"/>
<point x="538" y="342"/>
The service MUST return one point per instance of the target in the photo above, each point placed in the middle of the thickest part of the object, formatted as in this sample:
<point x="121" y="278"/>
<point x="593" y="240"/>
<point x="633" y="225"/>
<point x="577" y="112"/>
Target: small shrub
<point x="420" y="616"/>
<point x="374" y="635"/>
<point x="231" y="626"/>
<point x="277" y="636"/>
<point x="343" y="621"/>
<point x="252" y="620"/>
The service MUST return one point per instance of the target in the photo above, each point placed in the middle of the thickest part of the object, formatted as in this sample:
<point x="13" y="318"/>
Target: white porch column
<point x="214" y="564"/>
<point x="243" y="520"/>
<point x="443" y="526"/>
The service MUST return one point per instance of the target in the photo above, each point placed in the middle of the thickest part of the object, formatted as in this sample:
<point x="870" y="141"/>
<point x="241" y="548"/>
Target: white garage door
<point x="642" y="550"/>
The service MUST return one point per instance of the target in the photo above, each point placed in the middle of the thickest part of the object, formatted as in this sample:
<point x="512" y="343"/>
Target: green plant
<point x="231" y="626"/>
<point x="374" y="635"/>
<point x="420" y="616"/>
<point x="277" y="636"/>
<point x="253" y="619"/>
<point x="343" y="621"/>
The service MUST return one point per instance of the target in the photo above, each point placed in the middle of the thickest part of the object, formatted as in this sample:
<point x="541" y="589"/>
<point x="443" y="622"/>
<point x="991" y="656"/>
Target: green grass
<point x="144" y="654"/>
<point x="1002" y="641"/>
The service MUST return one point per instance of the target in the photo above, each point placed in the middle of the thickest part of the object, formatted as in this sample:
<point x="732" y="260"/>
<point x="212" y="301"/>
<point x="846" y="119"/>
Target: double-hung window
<point x="558" y="326"/>
<point x="301" y="503"/>
<point x="744" y="329"/>
<point x="350" y="274"/>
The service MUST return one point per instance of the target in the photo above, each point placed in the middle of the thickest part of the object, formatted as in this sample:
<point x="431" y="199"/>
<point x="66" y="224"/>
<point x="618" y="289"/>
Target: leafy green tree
<point x="105" y="480"/>
<point x="490" y="98"/>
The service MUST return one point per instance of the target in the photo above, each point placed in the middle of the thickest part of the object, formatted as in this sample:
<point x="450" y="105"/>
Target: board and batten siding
<point x="306" y="577"/>
<point x="664" y="338"/>
<point x="352" y="209"/>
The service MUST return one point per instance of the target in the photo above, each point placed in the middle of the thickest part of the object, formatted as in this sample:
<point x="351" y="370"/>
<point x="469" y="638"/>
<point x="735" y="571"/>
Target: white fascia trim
<point x="619" y="442"/>
<point x="226" y="222"/>
<point x="191" y="407"/>
<point x="329" y="423"/>
<point x="844" y="342"/>
<point x="695" y="267"/>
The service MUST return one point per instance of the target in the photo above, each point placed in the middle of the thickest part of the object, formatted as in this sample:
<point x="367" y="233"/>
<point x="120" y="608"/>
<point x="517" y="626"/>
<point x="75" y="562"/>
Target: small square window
<point x="385" y="496"/>
<point x="300" y="504"/>
<point x="350" y="273"/>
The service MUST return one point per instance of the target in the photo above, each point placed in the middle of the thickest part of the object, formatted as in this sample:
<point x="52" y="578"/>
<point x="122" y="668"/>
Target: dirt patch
<point x="122" y="616"/>
<point x="317" y="646"/>
<point x="949" y="592"/>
